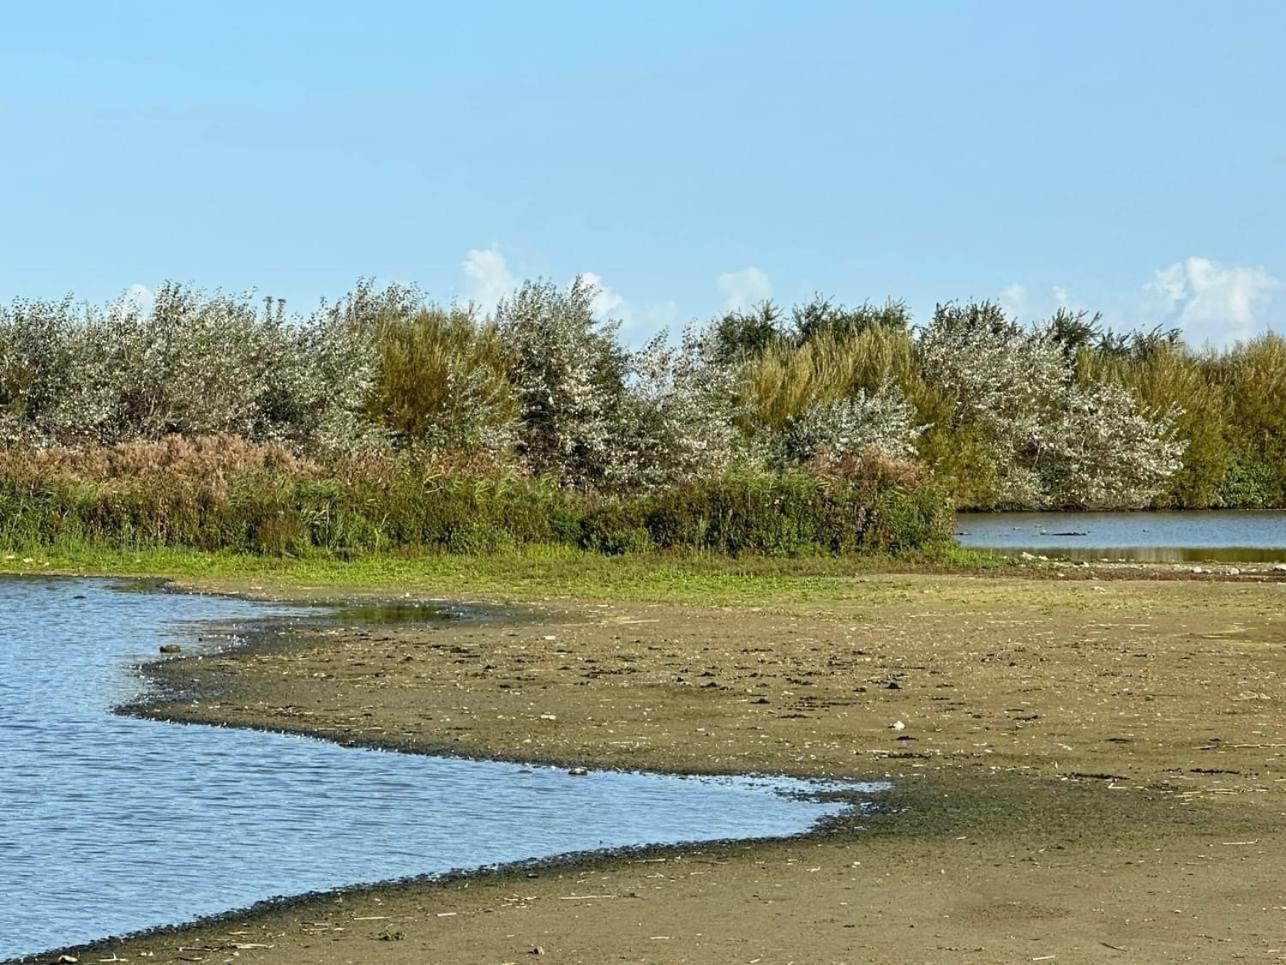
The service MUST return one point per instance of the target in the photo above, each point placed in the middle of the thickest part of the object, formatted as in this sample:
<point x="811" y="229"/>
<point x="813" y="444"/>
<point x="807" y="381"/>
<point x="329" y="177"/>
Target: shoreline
<point x="166" y="693"/>
<point x="937" y="800"/>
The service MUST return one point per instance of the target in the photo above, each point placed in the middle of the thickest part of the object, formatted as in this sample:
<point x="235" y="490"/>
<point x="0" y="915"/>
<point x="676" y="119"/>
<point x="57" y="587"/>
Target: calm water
<point x="1195" y="536"/>
<point x="110" y="824"/>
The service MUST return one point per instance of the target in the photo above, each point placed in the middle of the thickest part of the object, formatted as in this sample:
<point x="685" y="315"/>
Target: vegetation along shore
<point x="733" y="552"/>
<point x="384" y="422"/>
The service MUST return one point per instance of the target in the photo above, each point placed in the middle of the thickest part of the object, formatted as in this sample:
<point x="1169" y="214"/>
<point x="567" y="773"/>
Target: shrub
<point x="616" y="527"/>
<point x="568" y="375"/>
<point x="846" y="427"/>
<point x="822" y="316"/>
<point x="1052" y="441"/>
<point x="1248" y="484"/>
<point x="739" y="336"/>
<point x="184" y="362"/>
<point x="680" y="416"/>
<point x="392" y="395"/>
<point x="255" y="499"/>
<point x="775" y="515"/>
<point x="441" y="382"/>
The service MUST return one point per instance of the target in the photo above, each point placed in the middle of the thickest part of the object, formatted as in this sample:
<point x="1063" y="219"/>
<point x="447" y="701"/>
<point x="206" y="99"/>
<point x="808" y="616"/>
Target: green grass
<point x="532" y="573"/>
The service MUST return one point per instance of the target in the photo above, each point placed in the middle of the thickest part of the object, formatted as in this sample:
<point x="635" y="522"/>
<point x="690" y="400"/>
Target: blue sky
<point x="1128" y="157"/>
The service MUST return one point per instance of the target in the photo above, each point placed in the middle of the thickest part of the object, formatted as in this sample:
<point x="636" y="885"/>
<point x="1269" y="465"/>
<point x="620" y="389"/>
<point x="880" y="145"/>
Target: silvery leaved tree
<point x="1053" y="442"/>
<point x="882" y="422"/>
<point x="181" y="362"/>
<point x="37" y="366"/>
<point x="568" y="373"/>
<point x="681" y="413"/>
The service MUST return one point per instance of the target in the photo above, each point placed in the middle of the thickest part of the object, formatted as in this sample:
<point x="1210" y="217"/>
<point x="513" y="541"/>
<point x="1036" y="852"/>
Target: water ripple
<point x="110" y="824"/>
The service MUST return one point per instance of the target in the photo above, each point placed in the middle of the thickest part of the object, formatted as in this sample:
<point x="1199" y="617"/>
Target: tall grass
<point x="1231" y="411"/>
<point x="222" y="493"/>
<point x="440" y="381"/>
<point x="786" y="379"/>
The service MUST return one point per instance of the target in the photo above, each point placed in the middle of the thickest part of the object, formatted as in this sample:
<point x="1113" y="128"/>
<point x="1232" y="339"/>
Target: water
<point x="1195" y="536"/>
<point x="395" y="613"/>
<point x="111" y="824"/>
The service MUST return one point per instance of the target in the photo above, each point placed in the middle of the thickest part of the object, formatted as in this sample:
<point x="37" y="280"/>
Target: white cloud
<point x="744" y="289"/>
<point x="1209" y="302"/>
<point x="487" y="278"/>
<point x="638" y="322"/>
<point x="1167" y="288"/>
<point x="606" y="303"/>
<point x="140" y="296"/>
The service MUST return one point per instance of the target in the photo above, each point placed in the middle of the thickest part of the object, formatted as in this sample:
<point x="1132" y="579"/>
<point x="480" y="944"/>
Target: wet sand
<point x="1089" y="771"/>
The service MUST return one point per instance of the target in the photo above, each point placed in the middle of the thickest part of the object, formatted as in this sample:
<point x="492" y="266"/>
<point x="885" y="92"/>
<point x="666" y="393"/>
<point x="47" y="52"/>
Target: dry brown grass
<point x="872" y="467"/>
<point x="213" y="458"/>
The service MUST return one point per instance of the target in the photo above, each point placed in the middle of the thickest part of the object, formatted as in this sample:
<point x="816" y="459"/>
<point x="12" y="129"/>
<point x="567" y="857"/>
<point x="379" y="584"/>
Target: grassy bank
<point x="532" y="572"/>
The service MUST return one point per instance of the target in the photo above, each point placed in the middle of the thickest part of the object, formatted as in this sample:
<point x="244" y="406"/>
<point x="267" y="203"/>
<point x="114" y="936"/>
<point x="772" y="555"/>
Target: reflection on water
<point x="1192" y="536"/>
<point x="110" y="824"/>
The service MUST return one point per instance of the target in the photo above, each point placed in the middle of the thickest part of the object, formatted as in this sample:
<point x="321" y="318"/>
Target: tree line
<point x="995" y="414"/>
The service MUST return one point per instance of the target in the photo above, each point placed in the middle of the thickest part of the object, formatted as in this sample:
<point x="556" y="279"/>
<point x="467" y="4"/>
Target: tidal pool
<point x="112" y="824"/>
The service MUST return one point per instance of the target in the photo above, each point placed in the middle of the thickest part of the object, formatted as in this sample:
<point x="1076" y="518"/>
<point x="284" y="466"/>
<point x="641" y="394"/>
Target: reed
<point x="224" y="494"/>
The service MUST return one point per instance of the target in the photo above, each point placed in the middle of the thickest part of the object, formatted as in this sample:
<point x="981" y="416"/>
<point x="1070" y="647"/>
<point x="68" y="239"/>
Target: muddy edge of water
<point x="177" y="687"/>
<point x="1001" y="805"/>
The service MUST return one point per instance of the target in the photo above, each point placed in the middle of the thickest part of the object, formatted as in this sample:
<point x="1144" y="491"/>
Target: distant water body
<point x="111" y="824"/>
<point x="1194" y="536"/>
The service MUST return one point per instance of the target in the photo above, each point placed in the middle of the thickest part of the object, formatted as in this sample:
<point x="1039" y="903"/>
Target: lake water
<point x="1195" y="536"/>
<point x="111" y="824"/>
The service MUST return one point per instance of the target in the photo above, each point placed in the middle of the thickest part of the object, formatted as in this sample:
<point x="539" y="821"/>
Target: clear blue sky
<point x="1123" y="156"/>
